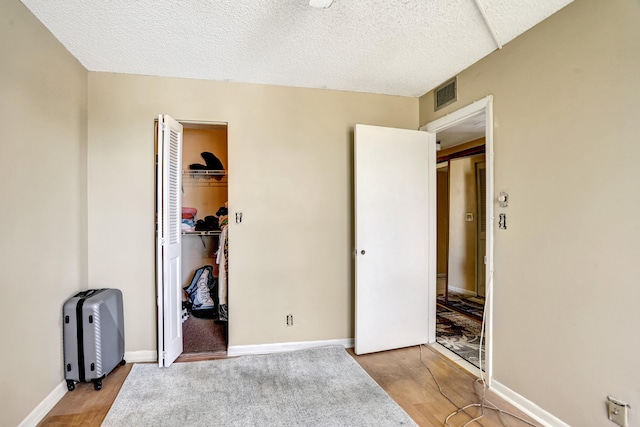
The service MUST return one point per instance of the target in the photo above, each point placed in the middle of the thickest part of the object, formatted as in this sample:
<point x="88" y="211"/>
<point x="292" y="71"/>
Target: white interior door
<point x="395" y="224"/>
<point x="168" y="245"/>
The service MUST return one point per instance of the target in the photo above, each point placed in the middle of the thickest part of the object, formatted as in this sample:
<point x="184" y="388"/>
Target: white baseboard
<point x="144" y="356"/>
<point x="526" y="406"/>
<point x="242" y="350"/>
<point x="141" y="356"/>
<point x="58" y="393"/>
<point x="45" y="406"/>
<point x="462" y="291"/>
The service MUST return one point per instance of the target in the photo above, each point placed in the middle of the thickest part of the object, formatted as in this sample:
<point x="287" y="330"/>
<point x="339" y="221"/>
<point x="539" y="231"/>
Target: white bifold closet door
<point x="395" y="223"/>
<point x="168" y="244"/>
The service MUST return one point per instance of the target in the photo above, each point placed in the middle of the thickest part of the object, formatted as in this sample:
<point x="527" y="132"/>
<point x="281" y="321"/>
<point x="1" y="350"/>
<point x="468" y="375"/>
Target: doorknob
<point x="362" y="252"/>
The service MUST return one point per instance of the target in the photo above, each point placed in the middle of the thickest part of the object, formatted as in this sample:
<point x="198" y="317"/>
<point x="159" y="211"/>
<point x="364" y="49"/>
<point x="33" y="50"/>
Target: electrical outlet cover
<point x="618" y="412"/>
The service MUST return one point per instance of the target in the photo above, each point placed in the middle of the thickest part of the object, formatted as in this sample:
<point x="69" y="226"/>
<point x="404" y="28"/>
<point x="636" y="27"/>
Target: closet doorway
<point x="461" y="236"/>
<point x="461" y="182"/>
<point x="192" y="179"/>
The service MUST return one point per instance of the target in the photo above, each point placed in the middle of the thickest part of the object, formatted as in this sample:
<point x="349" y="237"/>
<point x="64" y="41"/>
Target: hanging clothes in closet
<point x="222" y="259"/>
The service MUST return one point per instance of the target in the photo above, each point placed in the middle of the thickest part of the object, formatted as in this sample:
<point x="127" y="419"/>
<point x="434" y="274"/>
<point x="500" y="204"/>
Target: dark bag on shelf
<point x="213" y="163"/>
<point x="197" y="167"/>
<point x="211" y="222"/>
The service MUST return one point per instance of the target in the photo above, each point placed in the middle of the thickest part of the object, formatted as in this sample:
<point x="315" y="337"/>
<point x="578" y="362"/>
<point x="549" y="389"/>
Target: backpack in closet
<point x="199" y="293"/>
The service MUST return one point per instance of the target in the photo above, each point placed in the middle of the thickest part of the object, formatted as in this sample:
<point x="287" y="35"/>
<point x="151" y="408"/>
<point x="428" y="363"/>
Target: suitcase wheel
<point x="71" y="385"/>
<point x="123" y="362"/>
<point x="97" y="384"/>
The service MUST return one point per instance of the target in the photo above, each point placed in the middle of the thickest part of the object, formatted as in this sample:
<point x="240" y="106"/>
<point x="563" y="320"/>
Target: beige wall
<point x="566" y="149"/>
<point x="290" y="157"/>
<point x="43" y="105"/>
<point x="461" y="147"/>
<point x="462" y="233"/>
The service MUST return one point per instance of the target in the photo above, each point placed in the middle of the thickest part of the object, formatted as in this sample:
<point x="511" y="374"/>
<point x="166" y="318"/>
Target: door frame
<point x="193" y="124"/>
<point x="438" y="125"/>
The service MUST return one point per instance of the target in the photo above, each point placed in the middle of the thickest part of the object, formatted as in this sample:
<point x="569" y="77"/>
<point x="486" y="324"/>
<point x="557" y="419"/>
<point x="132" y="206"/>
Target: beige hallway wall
<point x="462" y="233"/>
<point x="43" y="104"/>
<point x="290" y="157"/>
<point x="566" y="150"/>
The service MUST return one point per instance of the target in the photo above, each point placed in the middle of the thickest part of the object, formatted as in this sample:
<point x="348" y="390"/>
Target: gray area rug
<point x="315" y="387"/>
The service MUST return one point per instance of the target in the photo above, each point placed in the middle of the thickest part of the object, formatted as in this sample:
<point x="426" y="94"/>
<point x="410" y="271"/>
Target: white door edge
<point x="159" y="249"/>
<point x="485" y="104"/>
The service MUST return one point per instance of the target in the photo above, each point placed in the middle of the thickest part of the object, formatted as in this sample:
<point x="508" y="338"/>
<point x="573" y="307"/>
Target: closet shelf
<point x="206" y="178"/>
<point x="201" y="233"/>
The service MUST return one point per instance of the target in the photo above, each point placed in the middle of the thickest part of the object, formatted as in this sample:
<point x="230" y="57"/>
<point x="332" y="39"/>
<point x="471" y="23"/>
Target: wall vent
<point x="446" y="93"/>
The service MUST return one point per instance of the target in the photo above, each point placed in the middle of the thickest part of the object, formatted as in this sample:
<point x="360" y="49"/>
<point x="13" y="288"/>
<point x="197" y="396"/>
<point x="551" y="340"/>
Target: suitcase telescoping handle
<point x="87" y="293"/>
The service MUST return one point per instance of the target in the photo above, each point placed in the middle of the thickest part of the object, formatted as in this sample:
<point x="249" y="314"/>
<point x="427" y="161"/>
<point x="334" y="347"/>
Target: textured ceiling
<point x="397" y="47"/>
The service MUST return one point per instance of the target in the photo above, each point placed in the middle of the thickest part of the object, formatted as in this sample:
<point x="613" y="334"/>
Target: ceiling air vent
<point x="446" y="93"/>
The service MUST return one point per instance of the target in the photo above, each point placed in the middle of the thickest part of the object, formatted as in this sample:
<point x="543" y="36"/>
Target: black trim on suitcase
<point x="80" y="339"/>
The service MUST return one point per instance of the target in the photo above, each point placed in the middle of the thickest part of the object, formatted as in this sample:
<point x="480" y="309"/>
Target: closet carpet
<point x="200" y="335"/>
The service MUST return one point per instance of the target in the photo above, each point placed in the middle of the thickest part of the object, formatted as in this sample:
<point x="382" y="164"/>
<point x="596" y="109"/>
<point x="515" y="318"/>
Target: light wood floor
<point x="401" y="373"/>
